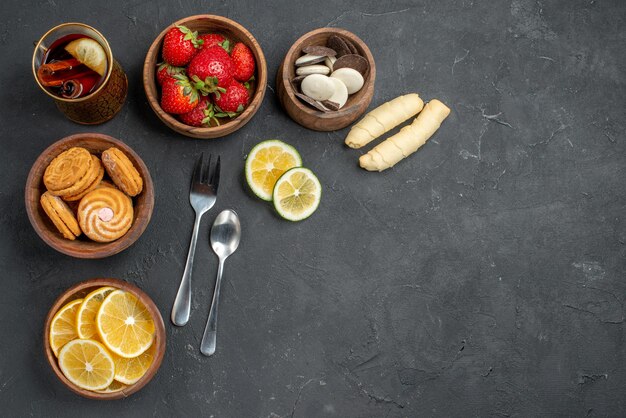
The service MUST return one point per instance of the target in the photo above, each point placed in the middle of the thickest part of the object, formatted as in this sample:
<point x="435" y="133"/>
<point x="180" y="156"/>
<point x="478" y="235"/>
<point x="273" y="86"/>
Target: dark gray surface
<point x="483" y="276"/>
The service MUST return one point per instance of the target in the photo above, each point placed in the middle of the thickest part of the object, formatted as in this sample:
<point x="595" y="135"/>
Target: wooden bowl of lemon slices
<point x="104" y="339"/>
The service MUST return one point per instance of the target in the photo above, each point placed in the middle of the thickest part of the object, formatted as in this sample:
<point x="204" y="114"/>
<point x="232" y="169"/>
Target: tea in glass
<point x="74" y="66"/>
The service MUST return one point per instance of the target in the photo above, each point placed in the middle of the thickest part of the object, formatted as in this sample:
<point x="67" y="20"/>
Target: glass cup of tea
<point x="74" y="65"/>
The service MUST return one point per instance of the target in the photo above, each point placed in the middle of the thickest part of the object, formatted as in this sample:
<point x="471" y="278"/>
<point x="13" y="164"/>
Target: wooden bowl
<point x="82" y="247"/>
<point x="80" y="290"/>
<point x="235" y="33"/>
<point x="304" y="114"/>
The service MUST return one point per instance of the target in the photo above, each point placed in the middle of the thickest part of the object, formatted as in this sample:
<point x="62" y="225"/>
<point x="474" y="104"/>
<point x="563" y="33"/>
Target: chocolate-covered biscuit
<point x="330" y="104"/>
<point x="353" y="61"/>
<point x="319" y="50"/>
<point x="295" y="82"/>
<point x="306" y="99"/>
<point x="351" y="46"/>
<point x="339" y="45"/>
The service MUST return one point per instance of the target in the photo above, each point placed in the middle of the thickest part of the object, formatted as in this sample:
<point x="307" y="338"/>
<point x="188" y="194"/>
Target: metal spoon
<point x="225" y="236"/>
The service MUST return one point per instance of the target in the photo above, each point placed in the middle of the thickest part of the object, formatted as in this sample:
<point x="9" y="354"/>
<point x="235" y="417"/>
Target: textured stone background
<point x="483" y="276"/>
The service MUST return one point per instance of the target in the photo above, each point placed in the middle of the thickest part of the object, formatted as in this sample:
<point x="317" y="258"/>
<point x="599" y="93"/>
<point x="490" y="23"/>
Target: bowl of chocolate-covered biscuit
<point x="326" y="80"/>
<point x="89" y="196"/>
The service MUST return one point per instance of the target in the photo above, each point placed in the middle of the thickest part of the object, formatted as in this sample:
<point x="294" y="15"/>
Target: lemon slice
<point x="87" y="364"/>
<point x="63" y="326"/>
<point x="124" y="324"/>
<point x="297" y="194"/>
<point x="87" y="312"/>
<point x="268" y="161"/>
<point x="90" y="53"/>
<point x="130" y="370"/>
<point x="113" y="387"/>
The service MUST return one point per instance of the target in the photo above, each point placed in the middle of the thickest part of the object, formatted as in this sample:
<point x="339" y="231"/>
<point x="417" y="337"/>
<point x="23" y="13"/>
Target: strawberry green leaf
<point x="209" y="115"/>
<point x="222" y="114"/>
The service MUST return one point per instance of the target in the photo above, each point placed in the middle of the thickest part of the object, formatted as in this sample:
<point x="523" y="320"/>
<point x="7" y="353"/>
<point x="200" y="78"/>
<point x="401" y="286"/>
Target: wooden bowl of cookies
<point x="89" y="195"/>
<point x="79" y="308"/>
<point x="234" y="33"/>
<point x="309" y="113"/>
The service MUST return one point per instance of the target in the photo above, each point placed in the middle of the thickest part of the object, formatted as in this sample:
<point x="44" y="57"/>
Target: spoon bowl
<point x="225" y="233"/>
<point x="225" y="237"/>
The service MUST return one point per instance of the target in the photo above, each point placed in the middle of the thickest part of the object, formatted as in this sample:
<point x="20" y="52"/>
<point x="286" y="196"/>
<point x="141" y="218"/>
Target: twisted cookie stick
<point x="383" y="119"/>
<point x="408" y="140"/>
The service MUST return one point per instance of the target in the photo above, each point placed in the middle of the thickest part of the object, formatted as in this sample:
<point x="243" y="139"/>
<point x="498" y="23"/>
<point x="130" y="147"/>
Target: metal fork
<point x="202" y="197"/>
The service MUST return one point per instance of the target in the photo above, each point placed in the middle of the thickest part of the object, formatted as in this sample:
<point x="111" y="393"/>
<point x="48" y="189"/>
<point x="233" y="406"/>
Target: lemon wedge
<point x="90" y="53"/>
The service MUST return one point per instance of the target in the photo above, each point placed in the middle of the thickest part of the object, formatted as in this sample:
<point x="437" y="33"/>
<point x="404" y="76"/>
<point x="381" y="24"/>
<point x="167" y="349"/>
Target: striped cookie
<point x="105" y="214"/>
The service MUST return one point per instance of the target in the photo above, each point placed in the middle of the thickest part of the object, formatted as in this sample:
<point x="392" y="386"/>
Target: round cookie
<point x="95" y="176"/>
<point x="84" y="183"/>
<point x="122" y="171"/>
<point x="67" y="170"/>
<point x="105" y="214"/>
<point x="61" y="215"/>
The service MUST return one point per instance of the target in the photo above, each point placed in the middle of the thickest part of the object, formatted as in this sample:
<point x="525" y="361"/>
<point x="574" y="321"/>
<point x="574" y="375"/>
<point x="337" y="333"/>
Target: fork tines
<point x="206" y="176"/>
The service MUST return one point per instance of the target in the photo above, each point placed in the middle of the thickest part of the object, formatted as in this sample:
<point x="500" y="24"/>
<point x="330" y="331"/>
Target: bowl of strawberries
<point x="205" y="76"/>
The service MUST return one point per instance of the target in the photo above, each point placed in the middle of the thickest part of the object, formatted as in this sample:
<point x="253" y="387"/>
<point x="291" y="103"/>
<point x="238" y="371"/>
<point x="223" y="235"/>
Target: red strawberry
<point x="165" y="70"/>
<point x="213" y="39"/>
<point x="178" y="95"/>
<point x="212" y="66"/>
<point x="201" y="115"/>
<point x="234" y="100"/>
<point x="244" y="63"/>
<point x="179" y="45"/>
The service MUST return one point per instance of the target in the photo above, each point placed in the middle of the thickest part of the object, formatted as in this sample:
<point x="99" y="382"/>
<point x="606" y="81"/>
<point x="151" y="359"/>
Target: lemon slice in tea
<point x="297" y="194"/>
<point x="90" y="53"/>
<point x="268" y="161"/>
